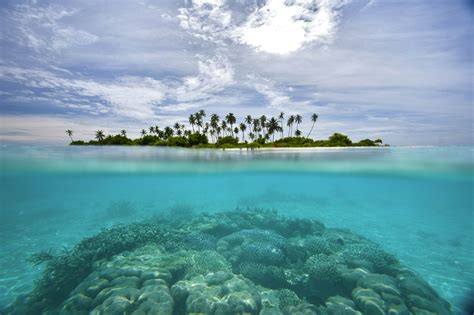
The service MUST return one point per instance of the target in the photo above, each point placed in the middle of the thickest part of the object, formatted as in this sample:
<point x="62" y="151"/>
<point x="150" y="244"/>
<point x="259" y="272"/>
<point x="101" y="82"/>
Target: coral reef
<point x="239" y="262"/>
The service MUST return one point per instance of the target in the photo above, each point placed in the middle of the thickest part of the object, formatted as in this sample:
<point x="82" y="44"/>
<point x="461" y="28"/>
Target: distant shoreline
<point x="297" y="148"/>
<point x="227" y="133"/>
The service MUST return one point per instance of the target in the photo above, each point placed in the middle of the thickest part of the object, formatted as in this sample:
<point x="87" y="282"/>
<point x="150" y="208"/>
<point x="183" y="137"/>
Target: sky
<point x="399" y="70"/>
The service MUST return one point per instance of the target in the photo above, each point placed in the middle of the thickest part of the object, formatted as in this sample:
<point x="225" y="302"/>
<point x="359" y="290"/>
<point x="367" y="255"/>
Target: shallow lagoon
<point x="415" y="202"/>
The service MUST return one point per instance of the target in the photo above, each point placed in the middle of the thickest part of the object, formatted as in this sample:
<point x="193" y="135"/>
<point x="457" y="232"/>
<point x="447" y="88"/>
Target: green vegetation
<point x="228" y="133"/>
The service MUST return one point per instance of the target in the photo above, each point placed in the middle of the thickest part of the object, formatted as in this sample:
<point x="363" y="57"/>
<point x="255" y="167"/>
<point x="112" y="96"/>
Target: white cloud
<point x="127" y="96"/>
<point x="206" y="19"/>
<point x="277" y="98"/>
<point x="277" y="27"/>
<point x="40" y="28"/>
<point x="214" y="75"/>
<point x="282" y="27"/>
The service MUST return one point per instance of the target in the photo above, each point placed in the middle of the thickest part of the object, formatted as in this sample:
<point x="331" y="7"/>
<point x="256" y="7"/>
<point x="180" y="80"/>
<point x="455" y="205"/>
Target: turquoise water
<point x="416" y="202"/>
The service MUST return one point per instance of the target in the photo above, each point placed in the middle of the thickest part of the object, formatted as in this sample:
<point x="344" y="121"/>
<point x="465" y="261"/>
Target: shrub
<point x="78" y="142"/>
<point x="197" y="139"/>
<point x="146" y="140"/>
<point x="177" y="142"/>
<point x="339" y="140"/>
<point x="365" y="143"/>
<point x="116" y="140"/>
<point x="227" y="140"/>
<point x="294" y="142"/>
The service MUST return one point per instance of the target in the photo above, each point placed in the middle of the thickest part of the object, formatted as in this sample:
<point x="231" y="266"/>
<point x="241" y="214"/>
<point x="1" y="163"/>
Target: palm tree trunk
<point x="309" y="133"/>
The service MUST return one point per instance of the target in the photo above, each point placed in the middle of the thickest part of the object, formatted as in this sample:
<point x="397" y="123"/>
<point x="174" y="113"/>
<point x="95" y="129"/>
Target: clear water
<point x="416" y="202"/>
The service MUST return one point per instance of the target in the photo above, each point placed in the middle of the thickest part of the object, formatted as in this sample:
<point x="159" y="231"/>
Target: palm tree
<point x="214" y="122"/>
<point x="202" y="113"/>
<point x="177" y="127"/>
<point x="298" y="120"/>
<point x="143" y="132"/>
<point x="273" y="127"/>
<point x="252" y="136"/>
<point x="289" y="123"/>
<point x="236" y="132"/>
<point x="242" y="128"/>
<point x="297" y="133"/>
<point x="158" y="132"/>
<point x="212" y="132"/>
<point x="70" y="133"/>
<point x="314" y="117"/>
<point x="151" y="130"/>
<point x="99" y="135"/>
<point x="168" y="132"/>
<point x="248" y="120"/>
<point x="263" y="122"/>
<point x="192" y="121"/>
<point x="123" y="132"/>
<point x="230" y="118"/>
<point x="256" y="126"/>
<point x="281" y="117"/>
<point x="198" y="121"/>
<point x="223" y="127"/>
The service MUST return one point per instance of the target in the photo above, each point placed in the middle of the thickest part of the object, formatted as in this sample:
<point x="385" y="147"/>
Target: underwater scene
<point x="146" y="230"/>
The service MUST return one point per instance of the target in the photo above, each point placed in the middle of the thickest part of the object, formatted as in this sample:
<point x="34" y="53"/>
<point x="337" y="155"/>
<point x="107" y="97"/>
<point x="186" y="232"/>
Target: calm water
<point x="416" y="202"/>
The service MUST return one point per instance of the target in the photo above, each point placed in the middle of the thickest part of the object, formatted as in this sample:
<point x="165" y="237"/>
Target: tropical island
<point x="252" y="132"/>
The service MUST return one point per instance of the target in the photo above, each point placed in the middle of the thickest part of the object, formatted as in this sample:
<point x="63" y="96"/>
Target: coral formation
<point x="239" y="262"/>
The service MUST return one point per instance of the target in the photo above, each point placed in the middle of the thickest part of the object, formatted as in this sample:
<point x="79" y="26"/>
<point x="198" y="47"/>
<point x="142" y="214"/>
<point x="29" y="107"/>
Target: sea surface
<point x="416" y="202"/>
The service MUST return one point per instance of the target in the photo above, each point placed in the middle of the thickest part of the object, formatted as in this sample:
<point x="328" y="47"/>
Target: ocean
<point x="415" y="202"/>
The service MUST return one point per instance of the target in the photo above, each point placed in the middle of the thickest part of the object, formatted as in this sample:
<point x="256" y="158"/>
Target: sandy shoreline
<point x="298" y="148"/>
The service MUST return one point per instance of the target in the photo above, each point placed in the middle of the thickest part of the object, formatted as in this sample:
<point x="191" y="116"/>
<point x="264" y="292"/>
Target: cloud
<point x="209" y="20"/>
<point x="158" y="60"/>
<point x="40" y="28"/>
<point x="127" y="96"/>
<point x="282" y="27"/>
<point x="277" y="27"/>
<point x="214" y="75"/>
<point x="277" y="98"/>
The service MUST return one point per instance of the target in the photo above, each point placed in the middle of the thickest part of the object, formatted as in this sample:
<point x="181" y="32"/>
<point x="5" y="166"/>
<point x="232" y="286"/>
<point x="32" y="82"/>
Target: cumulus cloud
<point x="282" y="27"/>
<point x="276" y="27"/>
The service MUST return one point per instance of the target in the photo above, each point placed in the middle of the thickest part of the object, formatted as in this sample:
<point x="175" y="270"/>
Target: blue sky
<point x="396" y="70"/>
